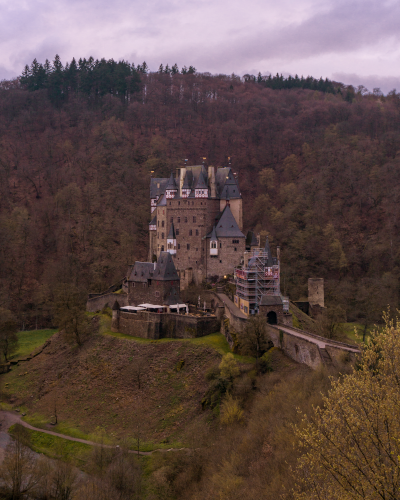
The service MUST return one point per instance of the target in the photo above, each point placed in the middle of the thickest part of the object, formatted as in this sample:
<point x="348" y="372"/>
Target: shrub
<point x="230" y="411"/>
<point x="229" y="367"/>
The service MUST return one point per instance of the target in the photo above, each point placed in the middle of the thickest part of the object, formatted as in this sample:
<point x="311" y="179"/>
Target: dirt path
<point x="9" y="418"/>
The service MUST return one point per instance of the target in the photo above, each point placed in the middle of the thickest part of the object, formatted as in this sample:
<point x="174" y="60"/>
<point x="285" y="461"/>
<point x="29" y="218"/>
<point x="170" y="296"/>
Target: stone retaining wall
<point x="166" y="325"/>
<point x="98" y="302"/>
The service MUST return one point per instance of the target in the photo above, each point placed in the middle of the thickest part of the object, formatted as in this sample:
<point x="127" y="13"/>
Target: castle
<point x="197" y="217"/>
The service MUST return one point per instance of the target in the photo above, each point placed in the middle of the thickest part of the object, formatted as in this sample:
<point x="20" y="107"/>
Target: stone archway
<point x="272" y="318"/>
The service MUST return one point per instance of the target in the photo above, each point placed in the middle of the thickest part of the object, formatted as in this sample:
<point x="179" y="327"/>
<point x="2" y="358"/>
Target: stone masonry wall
<point x="97" y="303"/>
<point x="143" y="293"/>
<point x="227" y="257"/>
<point x="166" y="325"/>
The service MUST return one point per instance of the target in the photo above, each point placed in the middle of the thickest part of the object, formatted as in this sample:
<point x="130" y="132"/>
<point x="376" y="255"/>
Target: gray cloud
<point x="318" y="37"/>
<point x="385" y="83"/>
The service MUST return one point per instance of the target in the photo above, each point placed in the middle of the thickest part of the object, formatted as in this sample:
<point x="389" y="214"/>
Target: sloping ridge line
<point x="318" y="337"/>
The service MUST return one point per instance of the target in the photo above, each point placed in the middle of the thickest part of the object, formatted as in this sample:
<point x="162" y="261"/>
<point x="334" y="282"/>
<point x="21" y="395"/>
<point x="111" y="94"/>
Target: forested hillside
<point x="319" y="171"/>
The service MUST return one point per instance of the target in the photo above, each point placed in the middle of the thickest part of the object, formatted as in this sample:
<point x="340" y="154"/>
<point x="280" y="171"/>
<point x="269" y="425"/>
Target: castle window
<point x="158" y="223"/>
<point x="156" y="294"/>
<point x="235" y="249"/>
<point x="162" y="236"/>
<point x="220" y="261"/>
<point x="163" y="212"/>
<point x="179" y="246"/>
<point x="144" y="285"/>
<point x="213" y="244"/>
<point x="192" y="202"/>
<point x="162" y="248"/>
<point x="220" y="245"/>
<point x="188" y="246"/>
<point x="133" y="285"/>
<point x="190" y="232"/>
<point x="194" y="218"/>
<point x="170" y="203"/>
<point x="179" y="202"/>
<point x="197" y="232"/>
<point x="162" y="223"/>
<point x="177" y="232"/>
<point x="179" y="219"/>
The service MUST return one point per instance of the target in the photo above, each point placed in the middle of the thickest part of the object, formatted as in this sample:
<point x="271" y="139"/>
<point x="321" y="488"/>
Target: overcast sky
<point x="350" y="41"/>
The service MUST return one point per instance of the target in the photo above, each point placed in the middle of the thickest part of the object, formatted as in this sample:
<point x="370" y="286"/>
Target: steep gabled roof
<point x="162" y="202"/>
<point x="171" y="183"/>
<point x="165" y="269"/>
<point x="171" y="234"/>
<point x="213" y="235"/>
<point x="201" y="182"/>
<point x="254" y="241"/>
<point x="226" y="226"/>
<point x="227" y="186"/>
<point x="141" y="271"/>
<point x="154" y="221"/>
<point x="187" y="180"/>
<point x="157" y="186"/>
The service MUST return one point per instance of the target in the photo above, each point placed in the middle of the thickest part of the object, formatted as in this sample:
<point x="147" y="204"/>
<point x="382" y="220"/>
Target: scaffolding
<point x="261" y="276"/>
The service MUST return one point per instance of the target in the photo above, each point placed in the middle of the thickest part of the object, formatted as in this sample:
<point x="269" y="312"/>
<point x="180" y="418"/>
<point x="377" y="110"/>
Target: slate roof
<point x="271" y="300"/>
<point x="227" y="186"/>
<point x="188" y="180"/>
<point x="154" y="221"/>
<point x="162" y="202"/>
<point x="141" y="272"/>
<point x="157" y="191"/>
<point x="253" y="242"/>
<point x="171" y="234"/>
<point x="213" y="235"/>
<point x="227" y="227"/>
<point x="267" y="249"/>
<point x="171" y="183"/>
<point x="201" y="182"/>
<point x="165" y="269"/>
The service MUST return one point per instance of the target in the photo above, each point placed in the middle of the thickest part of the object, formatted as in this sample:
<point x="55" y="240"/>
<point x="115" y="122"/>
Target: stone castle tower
<point x="197" y="217"/>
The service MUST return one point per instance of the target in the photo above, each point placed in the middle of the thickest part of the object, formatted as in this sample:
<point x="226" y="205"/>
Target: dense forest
<point x="318" y="170"/>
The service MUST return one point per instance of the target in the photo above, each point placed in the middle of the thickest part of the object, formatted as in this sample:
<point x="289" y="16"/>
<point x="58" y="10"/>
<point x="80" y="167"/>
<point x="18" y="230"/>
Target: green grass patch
<point x="55" y="447"/>
<point x="349" y="331"/>
<point x="31" y="340"/>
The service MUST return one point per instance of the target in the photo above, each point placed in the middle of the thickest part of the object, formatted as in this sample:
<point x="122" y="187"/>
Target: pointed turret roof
<point x="267" y="249"/>
<point x="201" y="182"/>
<point x="171" y="234"/>
<point x="165" y="269"/>
<point x="171" y="183"/>
<point x="254" y="241"/>
<point x="154" y="221"/>
<point x="227" y="227"/>
<point x="213" y="235"/>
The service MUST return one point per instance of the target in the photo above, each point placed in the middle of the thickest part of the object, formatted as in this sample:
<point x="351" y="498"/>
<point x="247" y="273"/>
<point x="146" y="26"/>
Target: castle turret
<point x="201" y="188"/>
<point x="171" y="240"/>
<point x="171" y="188"/>
<point x="213" y="242"/>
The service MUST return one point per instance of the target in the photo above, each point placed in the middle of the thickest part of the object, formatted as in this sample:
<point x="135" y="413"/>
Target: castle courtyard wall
<point x="166" y="325"/>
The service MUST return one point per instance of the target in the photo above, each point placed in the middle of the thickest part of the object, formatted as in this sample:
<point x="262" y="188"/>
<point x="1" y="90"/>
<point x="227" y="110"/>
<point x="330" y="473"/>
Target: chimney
<point x="182" y="176"/>
<point x="211" y="180"/>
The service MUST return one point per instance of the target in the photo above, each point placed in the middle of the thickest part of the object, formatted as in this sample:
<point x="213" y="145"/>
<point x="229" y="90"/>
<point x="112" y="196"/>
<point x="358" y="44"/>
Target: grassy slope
<point x="95" y="387"/>
<point x="30" y="341"/>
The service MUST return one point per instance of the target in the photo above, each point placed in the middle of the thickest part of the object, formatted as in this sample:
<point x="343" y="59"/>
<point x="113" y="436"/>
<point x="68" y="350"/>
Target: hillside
<point x="96" y="388"/>
<point x="318" y="172"/>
